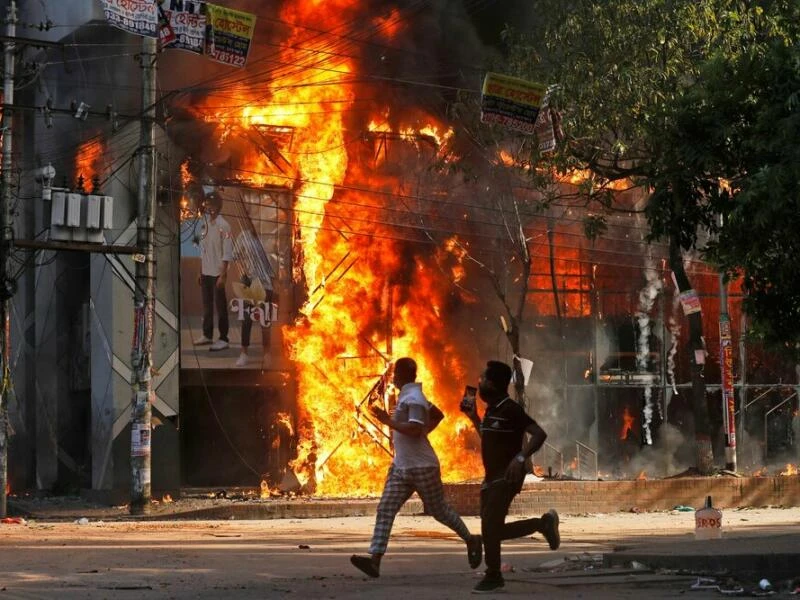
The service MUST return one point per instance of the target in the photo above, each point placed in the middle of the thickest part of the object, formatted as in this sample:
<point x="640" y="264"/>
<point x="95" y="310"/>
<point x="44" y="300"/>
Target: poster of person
<point x="235" y="269"/>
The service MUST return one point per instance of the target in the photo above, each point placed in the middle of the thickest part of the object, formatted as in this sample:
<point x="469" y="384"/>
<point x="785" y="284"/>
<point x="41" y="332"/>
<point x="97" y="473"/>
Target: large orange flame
<point x="367" y="302"/>
<point x="362" y="309"/>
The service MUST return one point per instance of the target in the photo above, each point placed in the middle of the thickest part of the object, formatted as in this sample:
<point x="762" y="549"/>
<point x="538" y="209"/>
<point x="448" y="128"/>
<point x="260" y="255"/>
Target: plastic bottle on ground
<point x="708" y="522"/>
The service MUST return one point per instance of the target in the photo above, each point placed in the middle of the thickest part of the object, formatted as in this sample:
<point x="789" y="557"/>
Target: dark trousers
<point x="212" y="295"/>
<point x="247" y="324"/>
<point x="496" y="499"/>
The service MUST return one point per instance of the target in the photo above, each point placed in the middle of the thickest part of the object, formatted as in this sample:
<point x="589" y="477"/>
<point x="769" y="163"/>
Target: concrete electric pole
<point x="726" y="373"/>
<point x="6" y="240"/>
<point x="144" y="294"/>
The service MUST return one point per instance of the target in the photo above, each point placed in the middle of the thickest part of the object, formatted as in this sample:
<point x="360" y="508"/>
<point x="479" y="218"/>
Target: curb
<point x="781" y="561"/>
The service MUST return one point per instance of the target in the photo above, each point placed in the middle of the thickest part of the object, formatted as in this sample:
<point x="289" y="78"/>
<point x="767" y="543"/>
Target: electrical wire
<point x="425" y="241"/>
<point x="221" y="82"/>
<point x="393" y="195"/>
<point x="322" y="150"/>
<point x="304" y="66"/>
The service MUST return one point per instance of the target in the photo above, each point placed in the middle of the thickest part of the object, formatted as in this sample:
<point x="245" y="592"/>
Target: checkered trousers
<point x="400" y="484"/>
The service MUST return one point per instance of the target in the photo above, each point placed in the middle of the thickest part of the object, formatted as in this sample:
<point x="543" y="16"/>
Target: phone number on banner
<point x="131" y="24"/>
<point x="510" y="122"/>
<point x="229" y="58"/>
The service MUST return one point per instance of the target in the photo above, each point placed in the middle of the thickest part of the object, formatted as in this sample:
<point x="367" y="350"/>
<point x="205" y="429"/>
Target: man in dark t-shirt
<point x="505" y="453"/>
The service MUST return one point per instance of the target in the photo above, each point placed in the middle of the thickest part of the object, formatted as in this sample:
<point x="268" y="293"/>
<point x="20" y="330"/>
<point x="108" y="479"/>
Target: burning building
<point x="363" y="228"/>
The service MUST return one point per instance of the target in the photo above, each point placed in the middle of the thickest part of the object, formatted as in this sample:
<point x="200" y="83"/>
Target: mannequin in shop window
<point x="254" y="301"/>
<point x="216" y="253"/>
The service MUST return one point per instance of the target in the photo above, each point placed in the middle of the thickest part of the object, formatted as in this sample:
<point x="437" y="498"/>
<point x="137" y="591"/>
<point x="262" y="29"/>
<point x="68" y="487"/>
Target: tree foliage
<point x="629" y="74"/>
<point x="740" y="124"/>
<point x="696" y="101"/>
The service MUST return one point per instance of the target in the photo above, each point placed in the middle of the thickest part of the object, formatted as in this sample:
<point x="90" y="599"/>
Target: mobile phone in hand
<point x="468" y="401"/>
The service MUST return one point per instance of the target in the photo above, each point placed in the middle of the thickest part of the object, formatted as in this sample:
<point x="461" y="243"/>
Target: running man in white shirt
<point x="415" y="469"/>
<point x="216" y="253"/>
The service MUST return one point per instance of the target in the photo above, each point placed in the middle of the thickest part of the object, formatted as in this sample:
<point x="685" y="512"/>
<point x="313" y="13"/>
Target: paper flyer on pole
<point x="140" y="440"/>
<point x="690" y="302"/>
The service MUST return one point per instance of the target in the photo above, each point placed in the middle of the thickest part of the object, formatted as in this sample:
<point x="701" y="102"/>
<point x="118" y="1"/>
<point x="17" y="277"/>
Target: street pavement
<point x="602" y="556"/>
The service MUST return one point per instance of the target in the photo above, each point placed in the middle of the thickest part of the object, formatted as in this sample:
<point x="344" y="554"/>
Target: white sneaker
<point x="219" y="345"/>
<point x="242" y="360"/>
<point x="201" y="341"/>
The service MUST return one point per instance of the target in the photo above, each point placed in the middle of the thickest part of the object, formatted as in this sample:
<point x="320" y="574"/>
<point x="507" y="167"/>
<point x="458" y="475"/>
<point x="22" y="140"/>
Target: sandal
<point x="475" y="551"/>
<point x="365" y="565"/>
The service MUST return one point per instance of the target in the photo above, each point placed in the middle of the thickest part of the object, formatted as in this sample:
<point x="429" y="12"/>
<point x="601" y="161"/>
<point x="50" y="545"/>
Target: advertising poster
<point x="235" y="275"/>
<point x="135" y="16"/>
<point x="229" y="34"/>
<point x="140" y="440"/>
<point x="187" y="20"/>
<point x="511" y="102"/>
<point x="690" y="302"/>
<point x="547" y="127"/>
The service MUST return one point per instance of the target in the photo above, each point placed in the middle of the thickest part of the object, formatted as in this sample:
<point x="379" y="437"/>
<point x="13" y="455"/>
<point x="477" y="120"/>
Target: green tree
<point x="622" y="67"/>
<point x="739" y="123"/>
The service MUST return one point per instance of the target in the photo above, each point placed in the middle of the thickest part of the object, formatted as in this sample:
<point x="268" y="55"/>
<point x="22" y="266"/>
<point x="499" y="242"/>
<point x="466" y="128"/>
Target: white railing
<point x="587" y="462"/>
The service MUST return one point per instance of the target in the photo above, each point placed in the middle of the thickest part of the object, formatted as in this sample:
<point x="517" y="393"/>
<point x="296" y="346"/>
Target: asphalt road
<point x="309" y="558"/>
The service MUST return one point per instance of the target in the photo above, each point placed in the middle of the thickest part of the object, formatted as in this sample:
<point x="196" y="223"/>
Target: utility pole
<point x="6" y="240"/>
<point x="144" y="294"/>
<point x="726" y="373"/>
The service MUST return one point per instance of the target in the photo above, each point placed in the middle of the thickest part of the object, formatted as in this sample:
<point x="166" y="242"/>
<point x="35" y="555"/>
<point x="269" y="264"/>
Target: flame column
<point x="6" y="239"/>
<point x="144" y="294"/>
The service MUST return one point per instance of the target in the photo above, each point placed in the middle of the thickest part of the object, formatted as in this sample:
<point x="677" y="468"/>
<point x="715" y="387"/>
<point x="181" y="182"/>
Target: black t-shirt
<point x="502" y="430"/>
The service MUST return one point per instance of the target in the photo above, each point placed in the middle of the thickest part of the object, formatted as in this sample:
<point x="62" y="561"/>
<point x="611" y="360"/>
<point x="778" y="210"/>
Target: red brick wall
<point x="575" y="497"/>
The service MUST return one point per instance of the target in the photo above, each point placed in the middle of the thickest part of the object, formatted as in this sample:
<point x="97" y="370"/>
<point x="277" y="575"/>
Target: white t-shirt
<point x="216" y="245"/>
<point x="409" y="451"/>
